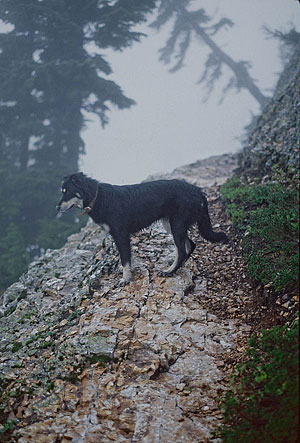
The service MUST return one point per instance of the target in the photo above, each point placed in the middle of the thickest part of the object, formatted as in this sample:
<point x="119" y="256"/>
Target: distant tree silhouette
<point x="52" y="68"/>
<point x="288" y="41"/>
<point x="197" y="23"/>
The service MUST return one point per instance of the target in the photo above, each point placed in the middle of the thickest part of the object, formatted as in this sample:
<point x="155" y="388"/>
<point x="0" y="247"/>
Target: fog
<point x="170" y="125"/>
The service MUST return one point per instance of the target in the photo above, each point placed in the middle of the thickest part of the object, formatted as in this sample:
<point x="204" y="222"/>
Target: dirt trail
<point x="170" y="341"/>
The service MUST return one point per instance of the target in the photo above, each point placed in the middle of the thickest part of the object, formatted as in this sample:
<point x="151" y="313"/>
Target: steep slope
<point x="275" y="142"/>
<point x="84" y="359"/>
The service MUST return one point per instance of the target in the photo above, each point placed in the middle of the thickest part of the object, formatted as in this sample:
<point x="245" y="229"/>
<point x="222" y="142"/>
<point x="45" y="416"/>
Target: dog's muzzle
<point x="64" y="206"/>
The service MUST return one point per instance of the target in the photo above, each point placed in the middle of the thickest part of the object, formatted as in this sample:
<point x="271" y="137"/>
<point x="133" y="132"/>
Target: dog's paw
<point x="122" y="283"/>
<point x="164" y="274"/>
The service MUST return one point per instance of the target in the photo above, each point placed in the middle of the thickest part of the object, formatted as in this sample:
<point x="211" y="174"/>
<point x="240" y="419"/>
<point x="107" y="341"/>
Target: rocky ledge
<point x="86" y="360"/>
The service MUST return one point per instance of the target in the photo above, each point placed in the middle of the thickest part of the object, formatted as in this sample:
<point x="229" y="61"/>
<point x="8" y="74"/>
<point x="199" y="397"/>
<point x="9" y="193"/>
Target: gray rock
<point x="275" y="142"/>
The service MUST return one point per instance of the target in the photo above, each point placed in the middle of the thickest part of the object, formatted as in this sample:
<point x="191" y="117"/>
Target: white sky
<point x="170" y="125"/>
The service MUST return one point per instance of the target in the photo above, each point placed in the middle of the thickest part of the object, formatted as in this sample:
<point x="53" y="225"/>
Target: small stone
<point x="220" y="363"/>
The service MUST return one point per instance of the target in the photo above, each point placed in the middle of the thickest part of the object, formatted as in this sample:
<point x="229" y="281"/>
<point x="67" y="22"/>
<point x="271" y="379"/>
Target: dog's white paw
<point x="165" y="274"/>
<point x="122" y="283"/>
<point x="127" y="273"/>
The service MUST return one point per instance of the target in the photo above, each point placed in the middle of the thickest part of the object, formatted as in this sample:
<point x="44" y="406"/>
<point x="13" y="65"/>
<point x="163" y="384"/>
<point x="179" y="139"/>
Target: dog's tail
<point x="206" y="229"/>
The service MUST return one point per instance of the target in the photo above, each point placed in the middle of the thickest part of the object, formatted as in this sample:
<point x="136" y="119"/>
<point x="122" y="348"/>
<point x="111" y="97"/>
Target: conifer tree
<point x="52" y="68"/>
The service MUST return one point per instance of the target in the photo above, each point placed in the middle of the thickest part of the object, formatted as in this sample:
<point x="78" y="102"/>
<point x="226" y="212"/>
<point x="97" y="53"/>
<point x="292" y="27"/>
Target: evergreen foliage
<point x="262" y="403"/>
<point x="52" y="68"/>
<point x="267" y="216"/>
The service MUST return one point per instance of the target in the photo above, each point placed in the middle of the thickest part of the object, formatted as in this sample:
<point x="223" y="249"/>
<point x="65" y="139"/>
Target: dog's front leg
<point x="122" y="241"/>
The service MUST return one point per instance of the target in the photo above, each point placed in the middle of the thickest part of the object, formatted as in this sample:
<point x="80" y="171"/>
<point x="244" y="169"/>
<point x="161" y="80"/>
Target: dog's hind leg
<point x="170" y="270"/>
<point x="189" y="247"/>
<point x="122" y="241"/>
<point x="184" y="246"/>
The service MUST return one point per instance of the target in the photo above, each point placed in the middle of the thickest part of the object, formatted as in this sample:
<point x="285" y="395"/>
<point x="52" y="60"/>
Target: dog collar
<point x="90" y="207"/>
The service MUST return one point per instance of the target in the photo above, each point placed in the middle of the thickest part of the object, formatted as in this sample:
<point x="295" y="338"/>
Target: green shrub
<point x="267" y="215"/>
<point x="262" y="403"/>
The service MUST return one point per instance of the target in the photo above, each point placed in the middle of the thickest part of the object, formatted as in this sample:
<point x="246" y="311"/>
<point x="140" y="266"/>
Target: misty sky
<point x="170" y="125"/>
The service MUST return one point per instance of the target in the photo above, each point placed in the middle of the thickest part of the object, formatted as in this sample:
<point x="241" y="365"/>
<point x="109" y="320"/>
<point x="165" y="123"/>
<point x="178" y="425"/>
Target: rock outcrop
<point x="276" y="139"/>
<point x="86" y="360"/>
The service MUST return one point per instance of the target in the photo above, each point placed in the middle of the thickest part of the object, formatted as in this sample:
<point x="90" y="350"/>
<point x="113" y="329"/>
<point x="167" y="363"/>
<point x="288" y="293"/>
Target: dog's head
<point x="72" y="192"/>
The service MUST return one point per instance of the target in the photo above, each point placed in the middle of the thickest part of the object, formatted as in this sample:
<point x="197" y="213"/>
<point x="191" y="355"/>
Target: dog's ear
<point x="77" y="179"/>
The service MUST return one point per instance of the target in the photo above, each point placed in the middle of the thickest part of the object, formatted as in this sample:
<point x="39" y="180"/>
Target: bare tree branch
<point x="187" y="23"/>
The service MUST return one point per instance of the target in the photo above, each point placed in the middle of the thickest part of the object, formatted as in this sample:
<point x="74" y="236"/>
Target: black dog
<point x="123" y="210"/>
